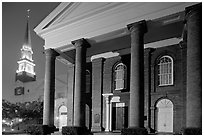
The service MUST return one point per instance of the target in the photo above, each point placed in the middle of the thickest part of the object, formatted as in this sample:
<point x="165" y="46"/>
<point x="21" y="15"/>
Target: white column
<point x="110" y="116"/>
<point x="107" y="113"/>
<point x="107" y="100"/>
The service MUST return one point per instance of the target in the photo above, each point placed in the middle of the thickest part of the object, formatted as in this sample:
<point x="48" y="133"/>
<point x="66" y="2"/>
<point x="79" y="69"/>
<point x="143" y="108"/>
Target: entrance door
<point x="120" y="116"/>
<point x="165" y="116"/>
<point x="62" y="117"/>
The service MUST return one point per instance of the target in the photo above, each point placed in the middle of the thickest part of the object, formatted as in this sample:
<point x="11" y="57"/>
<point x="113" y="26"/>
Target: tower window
<point x="165" y="71"/>
<point x="21" y="67"/>
<point x="120" y="73"/>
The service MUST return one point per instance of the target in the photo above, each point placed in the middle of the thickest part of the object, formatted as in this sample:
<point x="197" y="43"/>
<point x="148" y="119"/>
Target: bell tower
<point x="25" y="71"/>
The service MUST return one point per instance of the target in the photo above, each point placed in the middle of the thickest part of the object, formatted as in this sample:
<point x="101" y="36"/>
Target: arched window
<point x="120" y="81"/>
<point x="165" y="71"/>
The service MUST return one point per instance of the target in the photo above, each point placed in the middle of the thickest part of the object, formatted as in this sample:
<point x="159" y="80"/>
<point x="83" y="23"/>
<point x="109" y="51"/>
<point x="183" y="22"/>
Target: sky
<point x="13" y="31"/>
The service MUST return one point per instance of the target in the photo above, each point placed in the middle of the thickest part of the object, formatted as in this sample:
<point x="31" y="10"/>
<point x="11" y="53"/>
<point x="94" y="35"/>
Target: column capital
<point x="138" y="26"/>
<point x="193" y="9"/>
<point x="81" y="43"/>
<point x="107" y="95"/>
<point x="51" y="52"/>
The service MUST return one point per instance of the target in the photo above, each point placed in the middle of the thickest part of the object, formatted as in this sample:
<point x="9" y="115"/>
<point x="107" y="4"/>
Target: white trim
<point x="105" y="55"/>
<point x="163" y="43"/>
<point x="120" y="104"/>
<point x="18" y="71"/>
<point x="115" y="99"/>
<point x="51" y="16"/>
<point x="107" y="94"/>
<point x="23" y="61"/>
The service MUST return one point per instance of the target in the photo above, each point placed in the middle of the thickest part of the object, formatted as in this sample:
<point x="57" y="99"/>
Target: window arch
<point x="120" y="76"/>
<point x="165" y="71"/>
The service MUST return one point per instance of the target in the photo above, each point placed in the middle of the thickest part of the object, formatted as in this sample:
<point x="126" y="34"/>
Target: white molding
<point x="163" y="43"/>
<point x="115" y="99"/>
<point x="107" y="94"/>
<point x="105" y="55"/>
<point x="22" y="61"/>
<point x="51" y="16"/>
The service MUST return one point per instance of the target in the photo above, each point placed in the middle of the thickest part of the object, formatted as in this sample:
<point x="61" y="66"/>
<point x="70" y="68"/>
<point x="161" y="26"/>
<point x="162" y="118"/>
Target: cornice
<point x="50" y="17"/>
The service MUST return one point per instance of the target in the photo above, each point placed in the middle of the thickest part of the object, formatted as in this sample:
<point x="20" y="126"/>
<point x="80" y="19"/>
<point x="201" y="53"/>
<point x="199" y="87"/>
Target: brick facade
<point x="102" y="82"/>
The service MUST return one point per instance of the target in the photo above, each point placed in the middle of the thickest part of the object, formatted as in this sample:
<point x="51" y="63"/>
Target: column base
<point x="134" y="131"/>
<point x="47" y="130"/>
<point x="107" y="130"/>
<point x="150" y="130"/>
<point x="73" y="130"/>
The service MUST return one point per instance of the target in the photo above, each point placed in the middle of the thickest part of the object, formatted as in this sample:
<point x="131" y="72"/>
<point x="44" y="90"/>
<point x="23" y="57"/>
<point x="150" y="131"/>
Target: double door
<point x="119" y="116"/>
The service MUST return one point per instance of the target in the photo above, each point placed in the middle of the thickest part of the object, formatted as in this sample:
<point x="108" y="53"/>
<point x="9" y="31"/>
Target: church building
<point x="129" y="64"/>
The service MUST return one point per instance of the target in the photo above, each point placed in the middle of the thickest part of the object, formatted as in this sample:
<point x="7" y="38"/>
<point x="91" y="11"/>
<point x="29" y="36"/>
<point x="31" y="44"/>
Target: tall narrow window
<point x="165" y="71"/>
<point x="88" y="81"/>
<point x="120" y="77"/>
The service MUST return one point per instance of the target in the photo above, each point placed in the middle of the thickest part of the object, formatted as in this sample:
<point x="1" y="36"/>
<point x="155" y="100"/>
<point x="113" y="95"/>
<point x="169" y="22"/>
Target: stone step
<point x="57" y="133"/>
<point x="107" y="133"/>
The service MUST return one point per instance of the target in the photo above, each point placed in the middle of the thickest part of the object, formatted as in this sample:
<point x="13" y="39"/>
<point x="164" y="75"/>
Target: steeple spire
<point x="27" y="39"/>
<point x="25" y="71"/>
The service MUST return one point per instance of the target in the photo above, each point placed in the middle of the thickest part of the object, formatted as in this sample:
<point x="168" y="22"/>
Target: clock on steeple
<point x="25" y="71"/>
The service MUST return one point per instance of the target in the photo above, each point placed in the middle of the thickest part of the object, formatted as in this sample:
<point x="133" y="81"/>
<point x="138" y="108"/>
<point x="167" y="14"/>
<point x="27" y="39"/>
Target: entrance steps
<point x="95" y="133"/>
<point x="164" y="133"/>
<point x="107" y="133"/>
<point x="115" y="133"/>
<point x="57" y="133"/>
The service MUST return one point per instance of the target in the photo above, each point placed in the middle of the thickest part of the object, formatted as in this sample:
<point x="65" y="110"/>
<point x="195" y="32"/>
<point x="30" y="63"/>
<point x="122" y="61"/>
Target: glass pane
<point x="170" y="79"/>
<point x="160" y="80"/>
<point x="165" y="73"/>
<point x="119" y="84"/>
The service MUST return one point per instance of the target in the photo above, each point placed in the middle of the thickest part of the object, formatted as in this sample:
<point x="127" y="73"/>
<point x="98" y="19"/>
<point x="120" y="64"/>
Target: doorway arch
<point x="164" y="115"/>
<point x="62" y="117"/>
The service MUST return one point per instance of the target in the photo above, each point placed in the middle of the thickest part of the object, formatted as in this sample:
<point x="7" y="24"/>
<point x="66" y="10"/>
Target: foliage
<point x="26" y="110"/>
<point x="9" y="110"/>
<point x="134" y="131"/>
<point x="34" y="129"/>
<point x="75" y="131"/>
<point x="32" y="110"/>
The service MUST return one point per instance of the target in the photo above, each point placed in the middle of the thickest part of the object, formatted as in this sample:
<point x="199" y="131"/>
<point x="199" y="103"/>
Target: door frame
<point x="157" y="113"/>
<point x="60" y="115"/>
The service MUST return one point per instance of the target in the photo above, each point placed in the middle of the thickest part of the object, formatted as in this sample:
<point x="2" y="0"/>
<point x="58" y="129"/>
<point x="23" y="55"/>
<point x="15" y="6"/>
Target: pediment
<point x="71" y="12"/>
<point x="101" y="21"/>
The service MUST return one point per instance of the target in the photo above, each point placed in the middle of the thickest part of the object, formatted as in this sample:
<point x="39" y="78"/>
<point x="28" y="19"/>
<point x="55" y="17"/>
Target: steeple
<point x="27" y="39"/>
<point x="25" y="72"/>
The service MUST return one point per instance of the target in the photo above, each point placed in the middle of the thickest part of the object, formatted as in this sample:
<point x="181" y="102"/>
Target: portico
<point x="81" y="40"/>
